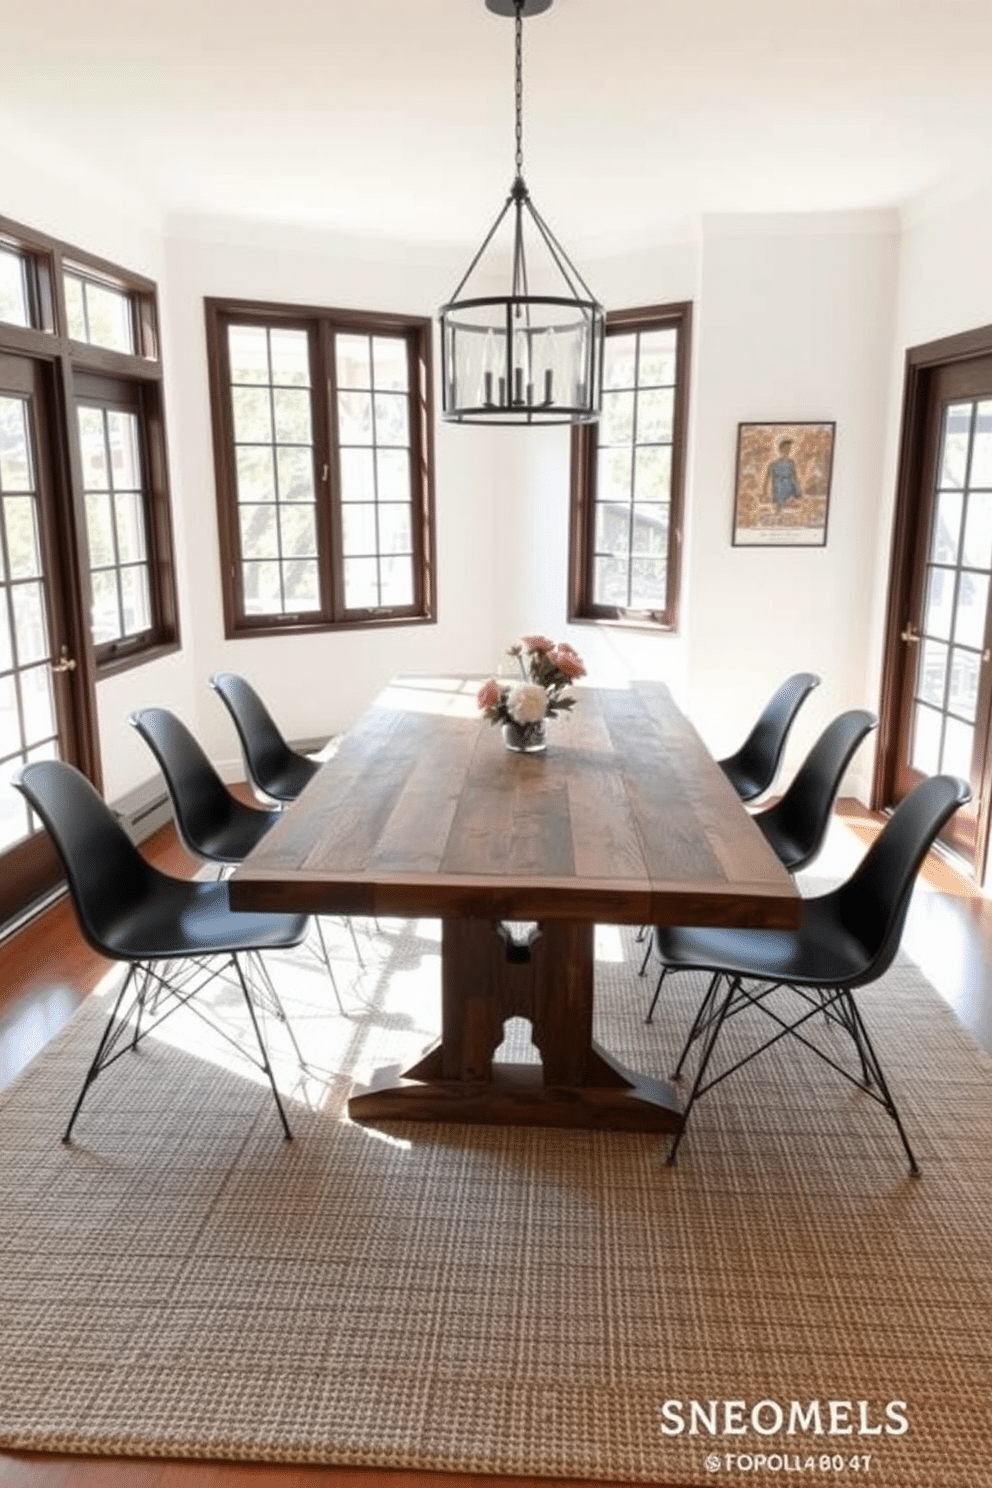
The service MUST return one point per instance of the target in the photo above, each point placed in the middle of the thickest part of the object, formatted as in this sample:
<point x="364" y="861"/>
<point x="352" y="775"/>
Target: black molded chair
<point x="796" y="826"/>
<point x="212" y="822"/>
<point x="177" y="935"/>
<point x="752" y="768"/>
<point x="846" y="939"/>
<point x="276" y="770"/>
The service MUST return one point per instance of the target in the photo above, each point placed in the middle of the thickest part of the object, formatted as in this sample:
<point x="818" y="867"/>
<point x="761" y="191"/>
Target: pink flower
<point x="538" y="643"/>
<point x="489" y="694"/>
<point x="568" y="661"/>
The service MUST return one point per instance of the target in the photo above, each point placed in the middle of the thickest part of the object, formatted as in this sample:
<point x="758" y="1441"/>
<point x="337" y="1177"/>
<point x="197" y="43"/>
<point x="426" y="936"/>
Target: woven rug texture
<point x="180" y="1281"/>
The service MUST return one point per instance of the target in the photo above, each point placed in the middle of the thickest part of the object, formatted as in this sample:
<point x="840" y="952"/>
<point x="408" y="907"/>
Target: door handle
<point x="65" y="663"/>
<point x="909" y="635"/>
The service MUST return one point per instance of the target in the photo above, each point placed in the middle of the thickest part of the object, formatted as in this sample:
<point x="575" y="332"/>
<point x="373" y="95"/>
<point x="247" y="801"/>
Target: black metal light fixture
<point x="523" y="358"/>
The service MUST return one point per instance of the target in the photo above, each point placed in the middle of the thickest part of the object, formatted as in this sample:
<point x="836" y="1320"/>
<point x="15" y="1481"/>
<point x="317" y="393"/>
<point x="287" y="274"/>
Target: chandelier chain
<point x="519" y="92"/>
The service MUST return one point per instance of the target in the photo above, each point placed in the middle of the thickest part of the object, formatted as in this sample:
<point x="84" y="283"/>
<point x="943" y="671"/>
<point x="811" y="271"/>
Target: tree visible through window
<point x="627" y="474"/>
<point x="322" y="446"/>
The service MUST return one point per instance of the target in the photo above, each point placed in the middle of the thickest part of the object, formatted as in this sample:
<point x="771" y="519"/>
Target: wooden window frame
<point x="48" y="260"/>
<point x="582" y="503"/>
<point x="321" y="324"/>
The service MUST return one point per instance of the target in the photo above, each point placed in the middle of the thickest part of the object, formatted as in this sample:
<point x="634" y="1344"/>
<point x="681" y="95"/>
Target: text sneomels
<point x="790" y="1417"/>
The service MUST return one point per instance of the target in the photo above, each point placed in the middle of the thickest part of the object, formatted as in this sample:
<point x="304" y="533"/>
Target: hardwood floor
<point x="46" y="971"/>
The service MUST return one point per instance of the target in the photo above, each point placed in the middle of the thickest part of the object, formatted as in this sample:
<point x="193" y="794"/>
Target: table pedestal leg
<point x="486" y="978"/>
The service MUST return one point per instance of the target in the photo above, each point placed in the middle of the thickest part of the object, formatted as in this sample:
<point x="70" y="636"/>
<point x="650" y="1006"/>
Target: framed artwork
<point x="782" y="486"/>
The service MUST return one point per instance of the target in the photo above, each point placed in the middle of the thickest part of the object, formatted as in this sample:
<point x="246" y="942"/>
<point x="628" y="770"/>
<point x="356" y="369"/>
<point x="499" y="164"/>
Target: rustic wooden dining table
<point x="624" y="819"/>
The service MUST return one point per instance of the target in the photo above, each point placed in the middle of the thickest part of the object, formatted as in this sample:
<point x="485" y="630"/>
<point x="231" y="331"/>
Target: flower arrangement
<point x="547" y="671"/>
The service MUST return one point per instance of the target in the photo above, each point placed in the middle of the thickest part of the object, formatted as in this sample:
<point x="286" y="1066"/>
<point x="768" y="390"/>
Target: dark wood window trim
<point x="920" y="366"/>
<point x="321" y="324"/>
<point x="47" y="260"/>
<point x="677" y="316"/>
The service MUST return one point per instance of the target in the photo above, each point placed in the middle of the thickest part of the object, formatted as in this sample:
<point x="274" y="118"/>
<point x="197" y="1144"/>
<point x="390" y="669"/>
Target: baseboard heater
<point x="143" y="810"/>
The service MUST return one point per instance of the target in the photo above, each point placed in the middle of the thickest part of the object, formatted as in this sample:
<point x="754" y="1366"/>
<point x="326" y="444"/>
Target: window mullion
<point x="327" y="474"/>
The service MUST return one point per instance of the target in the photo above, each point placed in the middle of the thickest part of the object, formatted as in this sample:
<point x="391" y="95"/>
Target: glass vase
<point x="525" y="738"/>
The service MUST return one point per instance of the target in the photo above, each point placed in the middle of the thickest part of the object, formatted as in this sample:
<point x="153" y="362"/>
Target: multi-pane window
<point x="321" y="430"/>
<point x="627" y="474"/>
<point x="114" y="487"/>
<point x="96" y="324"/>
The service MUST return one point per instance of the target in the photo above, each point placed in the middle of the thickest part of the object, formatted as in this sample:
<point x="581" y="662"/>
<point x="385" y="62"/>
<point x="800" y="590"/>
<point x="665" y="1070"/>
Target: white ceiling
<point x="394" y="118"/>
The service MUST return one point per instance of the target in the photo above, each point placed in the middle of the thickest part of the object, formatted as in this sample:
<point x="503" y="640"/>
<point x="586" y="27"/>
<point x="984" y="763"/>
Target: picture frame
<point x="782" y="484"/>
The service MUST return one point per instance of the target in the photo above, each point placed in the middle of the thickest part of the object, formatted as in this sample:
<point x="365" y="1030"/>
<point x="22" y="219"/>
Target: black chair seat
<point x="752" y="768"/>
<point x="796" y="826"/>
<point x="821" y="951"/>
<point x="212" y="822"/>
<point x="187" y="918"/>
<point x="274" y="768"/>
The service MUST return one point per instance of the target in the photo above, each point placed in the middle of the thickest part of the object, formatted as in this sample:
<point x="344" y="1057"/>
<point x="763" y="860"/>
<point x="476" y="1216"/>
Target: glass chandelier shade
<point x="523" y="357"/>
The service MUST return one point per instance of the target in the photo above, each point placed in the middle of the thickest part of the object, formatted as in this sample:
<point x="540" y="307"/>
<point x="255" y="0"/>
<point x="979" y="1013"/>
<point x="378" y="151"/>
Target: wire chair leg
<point x="97" y="1063"/>
<point x="865" y="1043"/>
<point x="657" y="991"/>
<point x="354" y="940"/>
<point x="325" y="956"/>
<point x="714" y="1032"/>
<point x="647" y="953"/>
<point x="263" y="1051"/>
<point x="703" y="1012"/>
<point x="257" y="960"/>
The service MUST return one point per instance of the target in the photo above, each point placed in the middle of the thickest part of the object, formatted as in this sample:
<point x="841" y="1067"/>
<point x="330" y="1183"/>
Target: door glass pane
<point x="38" y="705"/>
<point x="16" y="473"/>
<point x="938" y="611"/>
<point x="924" y="753"/>
<point x="977" y="551"/>
<point x="972" y="603"/>
<point x="23" y="551"/>
<point x="932" y="676"/>
<point x="30" y="627"/>
<point x="946" y="533"/>
<point x="963" y="696"/>
<point x="959" y="740"/>
<point x="981" y="454"/>
<point x="954" y="449"/>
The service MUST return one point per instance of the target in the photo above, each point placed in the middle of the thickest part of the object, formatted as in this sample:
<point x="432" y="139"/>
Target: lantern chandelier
<point x="523" y="358"/>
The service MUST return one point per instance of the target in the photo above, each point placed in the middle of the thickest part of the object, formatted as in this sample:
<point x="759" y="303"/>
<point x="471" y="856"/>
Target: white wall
<point x="796" y="322"/>
<point x="793" y="319"/>
<point x="317" y="684"/>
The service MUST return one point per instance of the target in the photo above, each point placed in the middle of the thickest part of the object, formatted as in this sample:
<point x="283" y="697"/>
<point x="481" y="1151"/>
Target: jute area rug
<point x="785" y="1304"/>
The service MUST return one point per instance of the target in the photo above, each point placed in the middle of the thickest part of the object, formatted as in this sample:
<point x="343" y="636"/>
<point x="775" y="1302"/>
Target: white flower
<point x="527" y="703"/>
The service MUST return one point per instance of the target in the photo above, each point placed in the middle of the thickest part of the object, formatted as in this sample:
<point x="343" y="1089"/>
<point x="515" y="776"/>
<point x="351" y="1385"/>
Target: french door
<point x="943" y="649"/>
<point x="39" y="677"/>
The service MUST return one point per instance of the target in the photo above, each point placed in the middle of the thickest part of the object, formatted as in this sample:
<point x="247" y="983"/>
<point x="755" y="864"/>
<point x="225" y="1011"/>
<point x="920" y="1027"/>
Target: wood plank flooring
<point x="46" y="971"/>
